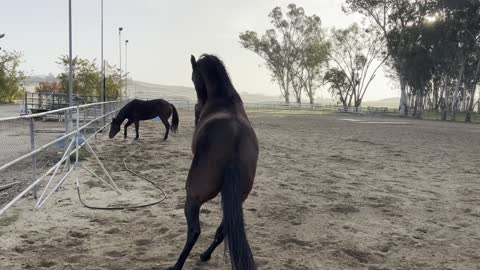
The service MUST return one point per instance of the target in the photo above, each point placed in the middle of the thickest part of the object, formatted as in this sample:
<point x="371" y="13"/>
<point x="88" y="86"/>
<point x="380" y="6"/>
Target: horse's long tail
<point x="174" y="125"/>
<point x="234" y="228"/>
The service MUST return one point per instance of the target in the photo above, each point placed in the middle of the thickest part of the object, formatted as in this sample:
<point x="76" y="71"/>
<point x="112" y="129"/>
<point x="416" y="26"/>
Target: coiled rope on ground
<point x="164" y="195"/>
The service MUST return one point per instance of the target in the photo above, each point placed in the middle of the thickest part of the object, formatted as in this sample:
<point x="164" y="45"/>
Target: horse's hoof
<point x="204" y="257"/>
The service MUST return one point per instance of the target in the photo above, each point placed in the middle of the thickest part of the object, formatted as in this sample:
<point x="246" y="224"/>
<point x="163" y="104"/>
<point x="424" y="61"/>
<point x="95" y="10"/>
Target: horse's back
<point x="148" y="109"/>
<point x="222" y="138"/>
<point x="224" y="129"/>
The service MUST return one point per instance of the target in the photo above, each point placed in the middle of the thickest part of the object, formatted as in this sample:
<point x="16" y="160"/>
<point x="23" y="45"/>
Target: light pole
<point x="120" y="47"/>
<point x="70" y="70"/>
<point x="126" y="73"/>
<point x="102" y="86"/>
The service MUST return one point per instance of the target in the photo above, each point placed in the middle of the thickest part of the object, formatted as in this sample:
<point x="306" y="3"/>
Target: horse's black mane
<point x="122" y="114"/>
<point x="214" y="68"/>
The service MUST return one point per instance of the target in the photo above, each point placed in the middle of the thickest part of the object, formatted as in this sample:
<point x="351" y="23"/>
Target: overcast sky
<point x="162" y="36"/>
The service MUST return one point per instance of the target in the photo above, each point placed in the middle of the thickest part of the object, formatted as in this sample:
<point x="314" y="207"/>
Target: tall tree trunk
<point x="312" y="99"/>
<point x="287" y="89"/>
<point x="415" y="106"/>
<point x="287" y="94"/>
<point x="446" y="105"/>
<point x="350" y="100"/>
<point x="403" y="97"/>
<point x="440" y="99"/>
<point x="358" y="103"/>
<point x="468" y="115"/>
<point x="411" y="101"/>
<point x="297" y="91"/>
<point x="422" y="101"/>
<point x="434" y="104"/>
<point x="457" y="90"/>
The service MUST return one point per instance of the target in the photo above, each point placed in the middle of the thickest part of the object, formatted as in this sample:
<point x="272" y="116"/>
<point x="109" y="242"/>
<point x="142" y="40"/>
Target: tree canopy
<point x="294" y="51"/>
<point x="11" y="78"/>
<point x="434" y="49"/>
<point x="87" y="78"/>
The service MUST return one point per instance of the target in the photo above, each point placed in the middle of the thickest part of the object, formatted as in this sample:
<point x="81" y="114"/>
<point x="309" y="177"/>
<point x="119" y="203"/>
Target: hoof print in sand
<point x="115" y="254"/>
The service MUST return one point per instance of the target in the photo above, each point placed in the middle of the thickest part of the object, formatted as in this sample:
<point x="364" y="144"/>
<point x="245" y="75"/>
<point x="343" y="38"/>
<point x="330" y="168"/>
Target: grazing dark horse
<point x="225" y="150"/>
<point x="138" y="110"/>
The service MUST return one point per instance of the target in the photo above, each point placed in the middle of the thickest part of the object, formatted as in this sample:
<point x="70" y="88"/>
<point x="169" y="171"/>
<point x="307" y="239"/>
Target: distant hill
<point x="150" y="90"/>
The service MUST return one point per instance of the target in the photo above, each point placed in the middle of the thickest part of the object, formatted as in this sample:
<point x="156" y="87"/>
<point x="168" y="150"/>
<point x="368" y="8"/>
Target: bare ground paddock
<point x="329" y="194"/>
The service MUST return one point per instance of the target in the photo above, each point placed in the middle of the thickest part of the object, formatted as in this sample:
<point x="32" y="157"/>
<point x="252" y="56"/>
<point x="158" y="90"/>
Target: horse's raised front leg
<point x="167" y="128"/>
<point x="137" y="126"/>
<point x="129" y="122"/>
<point x="219" y="236"/>
<point x="192" y="213"/>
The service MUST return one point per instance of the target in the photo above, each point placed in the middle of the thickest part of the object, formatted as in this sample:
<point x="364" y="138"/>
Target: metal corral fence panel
<point x="181" y="103"/>
<point x="31" y="144"/>
<point x="189" y="104"/>
<point x="299" y="107"/>
<point x="42" y="102"/>
<point x="424" y="115"/>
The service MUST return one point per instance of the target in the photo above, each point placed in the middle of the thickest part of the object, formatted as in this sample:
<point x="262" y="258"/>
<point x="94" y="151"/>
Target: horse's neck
<point x="122" y="114"/>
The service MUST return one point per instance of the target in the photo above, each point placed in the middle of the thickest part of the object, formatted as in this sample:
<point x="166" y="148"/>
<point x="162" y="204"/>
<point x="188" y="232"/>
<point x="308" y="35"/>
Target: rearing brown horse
<point x="225" y="150"/>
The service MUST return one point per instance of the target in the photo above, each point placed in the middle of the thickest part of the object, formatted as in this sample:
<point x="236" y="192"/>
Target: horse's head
<point x="198" y="81"/>
<point x="114" y="128"/>
<point x="200" y="88"/>
<point x="211" y="81"/>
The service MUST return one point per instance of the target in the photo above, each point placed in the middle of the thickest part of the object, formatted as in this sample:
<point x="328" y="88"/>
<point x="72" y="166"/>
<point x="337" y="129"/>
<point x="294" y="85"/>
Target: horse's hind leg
<point x="219" y="236"/>
<point x="167" y="127"/>
<point x="192" y="213"/>
<point x="137" y="126"/>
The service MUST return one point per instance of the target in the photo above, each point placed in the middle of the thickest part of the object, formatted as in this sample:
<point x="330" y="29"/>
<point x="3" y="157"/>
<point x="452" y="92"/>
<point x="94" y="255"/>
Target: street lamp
<point x="120" y="29"/>
<point x="102" y="86"/>
<point x="70" y="69"/>
<point x="126" y="73"/>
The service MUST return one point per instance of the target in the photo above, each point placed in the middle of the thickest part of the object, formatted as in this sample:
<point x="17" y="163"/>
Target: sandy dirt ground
<point x="330" y="193"/>
<point x="9" y="110"/>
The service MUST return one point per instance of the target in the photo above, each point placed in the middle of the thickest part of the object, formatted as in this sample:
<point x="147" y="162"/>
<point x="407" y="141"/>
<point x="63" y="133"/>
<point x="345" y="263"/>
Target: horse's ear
<point x="113" y="120"/>
<point x="193" y="61"/>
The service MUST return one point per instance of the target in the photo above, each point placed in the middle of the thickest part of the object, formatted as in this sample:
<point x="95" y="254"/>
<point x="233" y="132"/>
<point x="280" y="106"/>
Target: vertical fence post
<point x="67" y="119"/>
<point x="34" y="156"/>
<point x="77" y="134"/>
<point x="96" y="122"/>
<point x="85" y="118"/>
<point x="85" y="110"/>
<point x="25" y="105"/>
